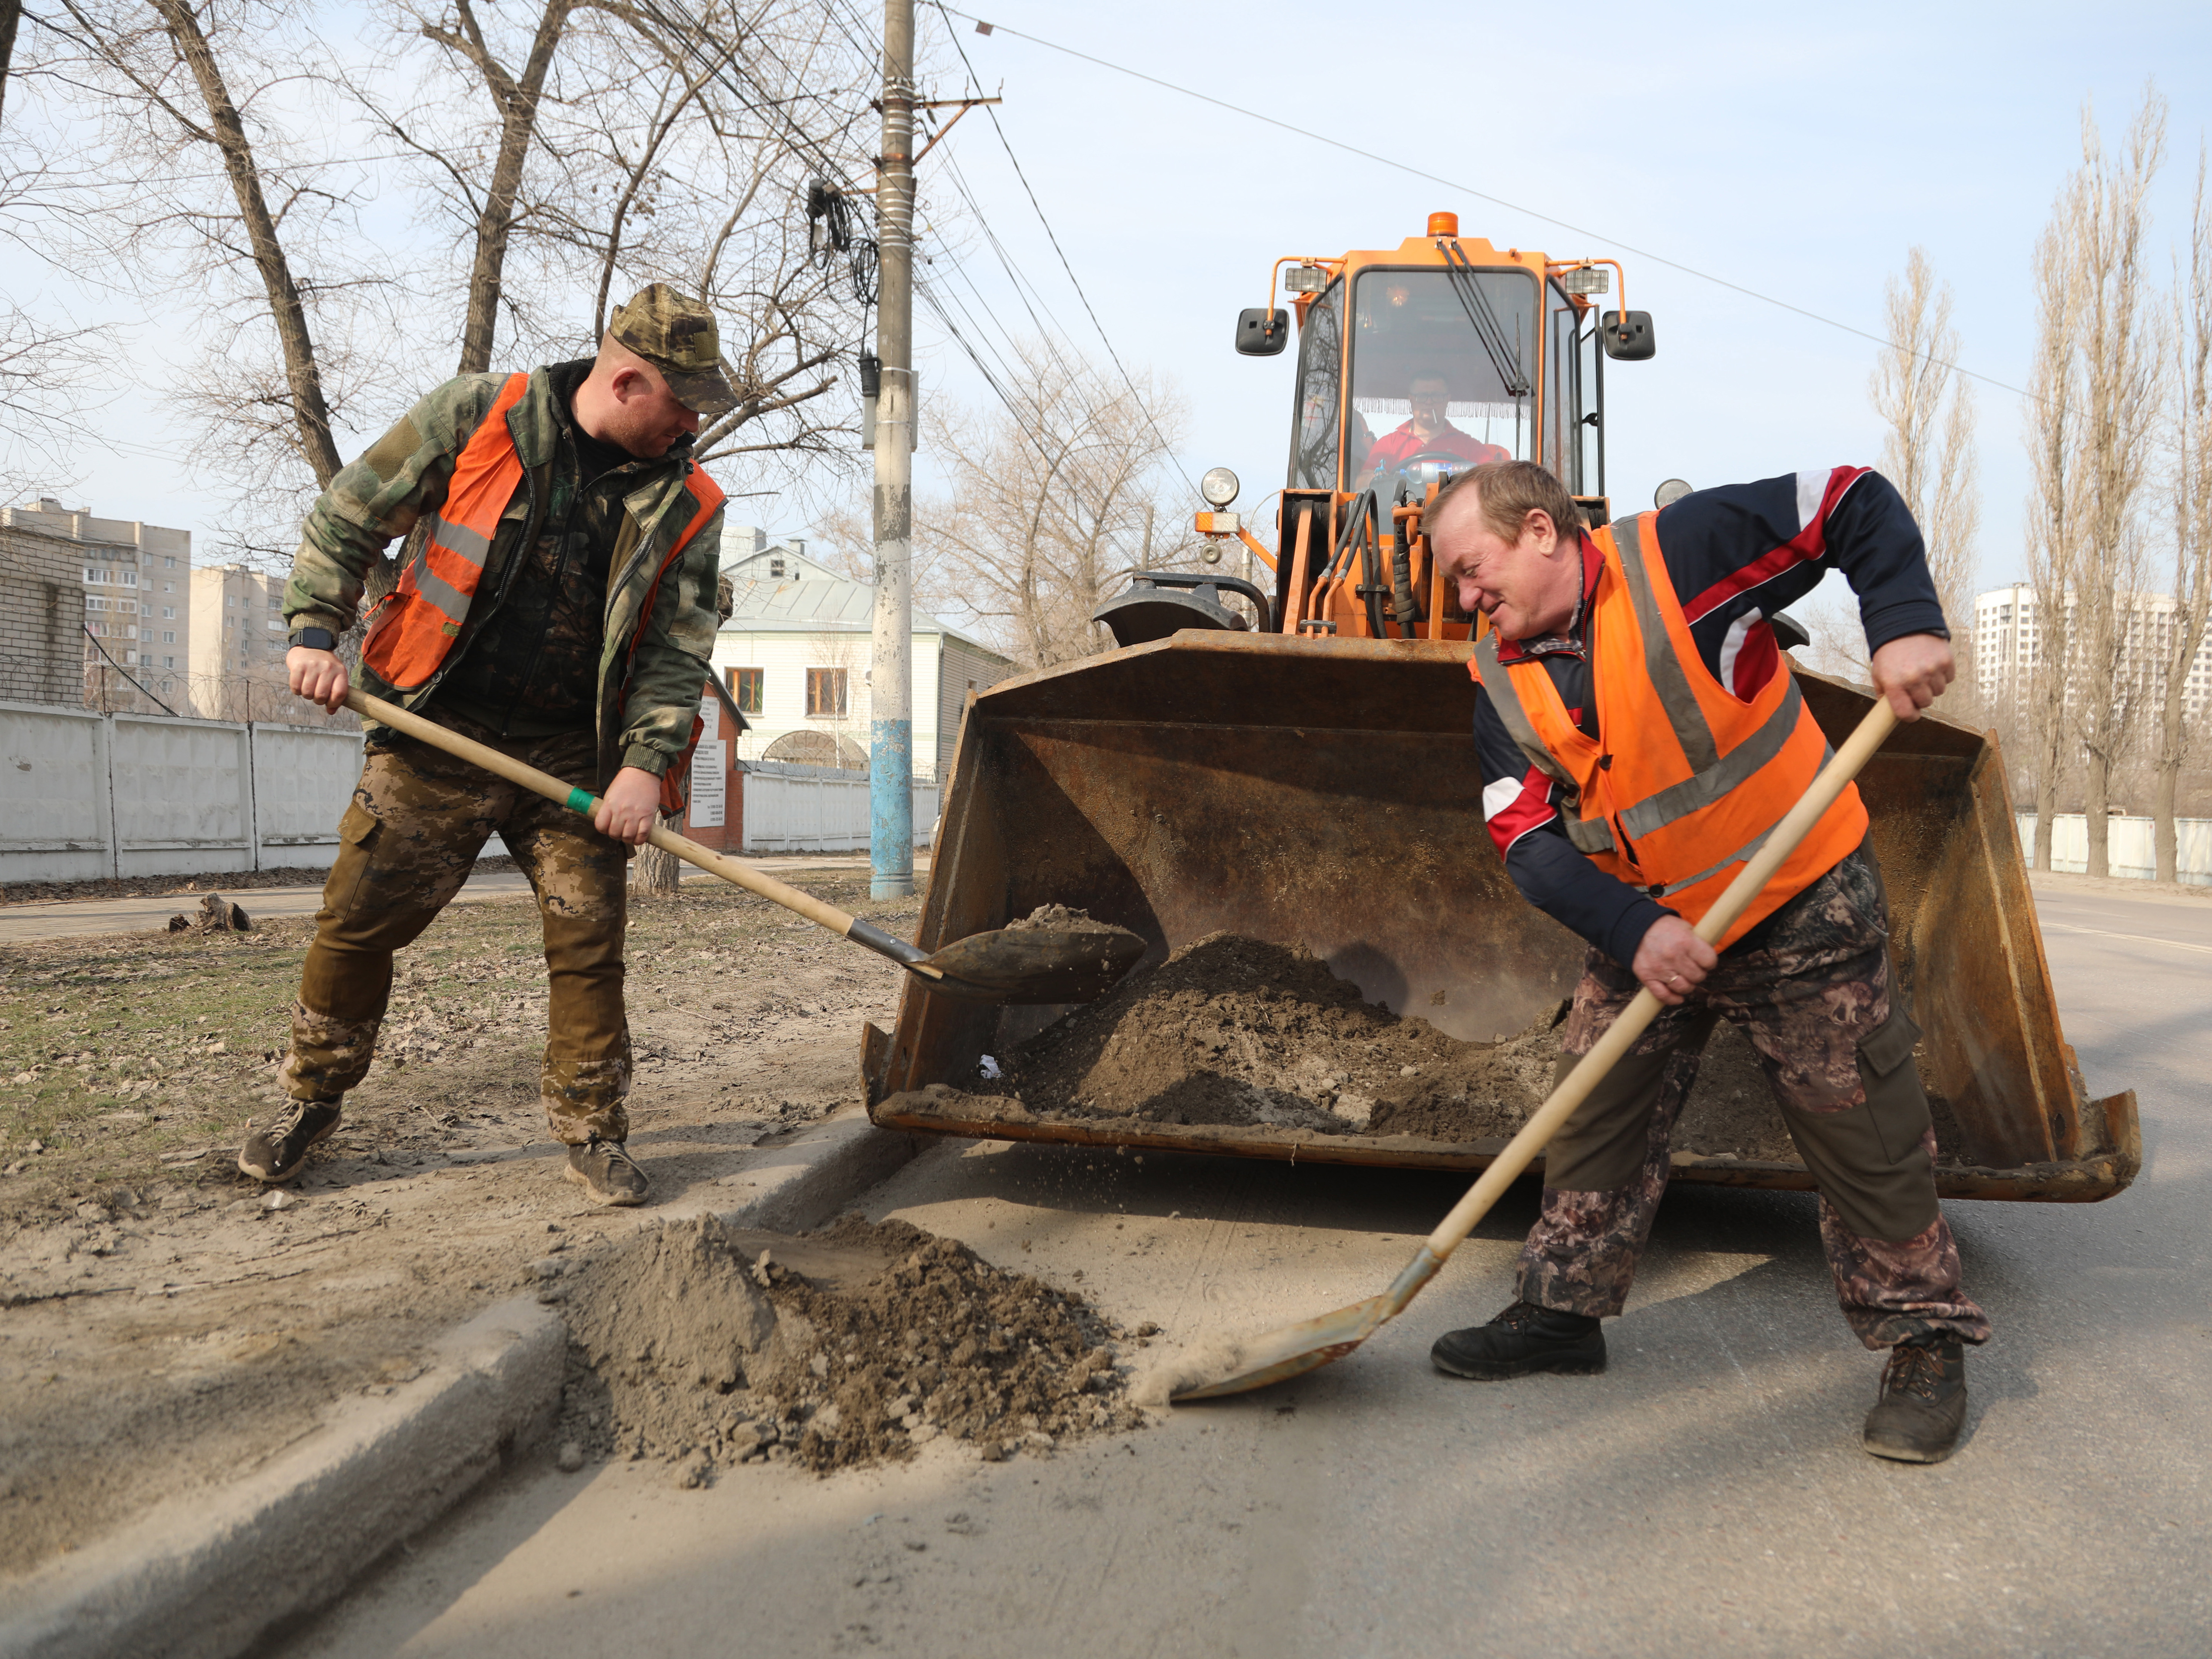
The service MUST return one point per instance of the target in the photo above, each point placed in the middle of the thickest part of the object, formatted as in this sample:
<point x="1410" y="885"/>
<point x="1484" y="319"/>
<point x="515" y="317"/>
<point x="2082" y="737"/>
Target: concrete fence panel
<point x="303" y="779"/>
<point x="183" y="795"/>
<point x="90" y="795"/>
<point x="55" y="813"/>
<point x="818" y="809"/>
<point x="2132" y="846"/>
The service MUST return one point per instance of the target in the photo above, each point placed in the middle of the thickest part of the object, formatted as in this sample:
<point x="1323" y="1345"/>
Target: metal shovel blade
<point x="1035" y="964"/>
<point x="1297" y="1349"/>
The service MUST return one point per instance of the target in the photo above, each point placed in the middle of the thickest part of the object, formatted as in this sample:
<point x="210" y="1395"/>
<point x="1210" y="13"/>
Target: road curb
<point x="203" y="1577"/>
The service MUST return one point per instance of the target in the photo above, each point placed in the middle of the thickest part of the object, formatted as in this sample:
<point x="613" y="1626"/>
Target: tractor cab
<point x="1413" y="364"/>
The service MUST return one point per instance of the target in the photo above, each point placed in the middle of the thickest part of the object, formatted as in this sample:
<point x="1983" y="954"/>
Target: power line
<point x="1053" y="237"/>
<point x="1453" y="184"/>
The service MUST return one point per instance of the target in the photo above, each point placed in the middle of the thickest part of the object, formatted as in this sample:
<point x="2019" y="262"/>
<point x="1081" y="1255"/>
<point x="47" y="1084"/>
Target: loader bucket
<point x="1323" y="793"/>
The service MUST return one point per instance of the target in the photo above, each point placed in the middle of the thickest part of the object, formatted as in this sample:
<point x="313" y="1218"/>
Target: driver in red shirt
<point x="1429" y="433"/>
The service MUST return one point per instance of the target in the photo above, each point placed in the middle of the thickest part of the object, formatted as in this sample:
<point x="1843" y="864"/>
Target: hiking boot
<point x="606" y="1171"/>
<point x="276" y="1153"/>
<point x="1923" y="1405"/>
<point x="1522" y="1339"/>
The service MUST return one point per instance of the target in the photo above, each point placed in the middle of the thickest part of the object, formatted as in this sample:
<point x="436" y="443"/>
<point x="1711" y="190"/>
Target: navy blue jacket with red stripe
<point x="1737" y="555"/>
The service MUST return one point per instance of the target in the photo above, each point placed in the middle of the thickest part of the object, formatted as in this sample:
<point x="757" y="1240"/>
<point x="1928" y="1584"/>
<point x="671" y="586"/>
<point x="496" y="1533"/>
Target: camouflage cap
<point x="677" y="335"/>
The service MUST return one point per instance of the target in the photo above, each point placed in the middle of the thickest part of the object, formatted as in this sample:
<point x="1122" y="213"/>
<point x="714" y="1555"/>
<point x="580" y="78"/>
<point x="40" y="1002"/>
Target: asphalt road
<point x="1706" y="1494"/>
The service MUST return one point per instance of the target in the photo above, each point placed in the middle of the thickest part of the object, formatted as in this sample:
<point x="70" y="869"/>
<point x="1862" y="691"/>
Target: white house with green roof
<point x="795" y="652"/>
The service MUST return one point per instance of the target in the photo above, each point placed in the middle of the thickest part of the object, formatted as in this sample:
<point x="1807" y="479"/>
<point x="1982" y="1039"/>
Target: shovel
<point x="1280" y="1355"/>
<point x="1024" y="965"/>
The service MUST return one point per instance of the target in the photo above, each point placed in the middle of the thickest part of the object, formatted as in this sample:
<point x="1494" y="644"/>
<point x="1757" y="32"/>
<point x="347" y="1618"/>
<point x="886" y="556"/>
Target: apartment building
<point x="135" y="624"/>
<point x="2009" y="642"/>
<point x="239" y="641"/>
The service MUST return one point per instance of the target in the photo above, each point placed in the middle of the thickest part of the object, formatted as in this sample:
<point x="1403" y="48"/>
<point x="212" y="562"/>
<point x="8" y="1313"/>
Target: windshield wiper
<point x="1504" y="355"/>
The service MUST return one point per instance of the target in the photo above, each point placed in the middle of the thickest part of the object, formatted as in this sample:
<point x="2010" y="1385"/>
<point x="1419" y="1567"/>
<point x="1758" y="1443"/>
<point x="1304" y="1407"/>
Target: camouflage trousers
<point x="1810" y="987"/>
<point x="418" y="820"/>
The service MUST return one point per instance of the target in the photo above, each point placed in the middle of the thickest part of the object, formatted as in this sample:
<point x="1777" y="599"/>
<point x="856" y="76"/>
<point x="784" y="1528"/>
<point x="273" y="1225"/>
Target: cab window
<point x="1445" y="367"/>
<point x="1313" y="418"/>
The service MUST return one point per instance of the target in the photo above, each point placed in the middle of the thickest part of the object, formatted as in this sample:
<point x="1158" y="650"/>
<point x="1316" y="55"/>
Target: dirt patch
<point x="1059" y="919"/>
<point x="712" y="1347"/>
<point x="161" y="1328"/>
<point x="110" y="887"/>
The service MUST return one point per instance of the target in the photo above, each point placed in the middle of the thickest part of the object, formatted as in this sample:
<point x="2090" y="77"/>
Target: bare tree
<point x="597" y="145"/>
<point x="48" y="373"/>
<point x="1055" y="499"/>
<point x="2192" y="522"/>
<point x="2054" y="447"/>
<point x="207" y="188"/>
<point x="1928" y="451"/>
<point x="2122" y="367"/>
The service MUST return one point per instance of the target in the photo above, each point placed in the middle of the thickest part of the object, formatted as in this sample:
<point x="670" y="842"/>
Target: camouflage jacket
<point x="648" y="695"/>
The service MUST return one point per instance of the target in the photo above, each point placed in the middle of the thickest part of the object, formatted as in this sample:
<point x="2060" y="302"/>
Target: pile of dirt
<point x="1061" y="919"/>
<point x="1227" y="1030"/>
<point x="850" y="1347"/>
<point x="1238" y="1033"/>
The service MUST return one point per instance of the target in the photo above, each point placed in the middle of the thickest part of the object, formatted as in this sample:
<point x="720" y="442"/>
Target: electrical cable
<point x="1480" y="196"/>
<point x="120" y="669"/>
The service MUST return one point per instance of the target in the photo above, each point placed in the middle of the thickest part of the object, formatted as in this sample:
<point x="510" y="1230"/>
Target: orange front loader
<point x="1288" y="757"/>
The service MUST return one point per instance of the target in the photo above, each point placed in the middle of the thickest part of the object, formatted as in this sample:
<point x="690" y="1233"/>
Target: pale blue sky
<point x="1797" y="152"/>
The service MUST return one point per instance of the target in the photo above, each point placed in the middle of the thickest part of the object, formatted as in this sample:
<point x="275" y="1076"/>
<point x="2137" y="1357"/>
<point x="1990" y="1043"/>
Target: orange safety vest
<point x="416" y="624"/>
<point x="414" y="627"/>
<point x="1685" y="780"/>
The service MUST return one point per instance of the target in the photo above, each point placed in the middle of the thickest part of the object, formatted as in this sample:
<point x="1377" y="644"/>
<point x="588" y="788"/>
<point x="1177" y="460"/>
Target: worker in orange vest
<point x="555" y="600"/>
<point x="1639" y="736"/>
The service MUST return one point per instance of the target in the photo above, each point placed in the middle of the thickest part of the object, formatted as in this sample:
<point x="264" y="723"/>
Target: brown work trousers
<point x="419" y="818"/>
<point x="1810" y="986"/>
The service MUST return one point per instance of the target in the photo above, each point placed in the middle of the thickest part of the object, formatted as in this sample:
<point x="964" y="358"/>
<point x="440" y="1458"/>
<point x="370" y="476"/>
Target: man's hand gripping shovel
<point x="1280" y="1355"/>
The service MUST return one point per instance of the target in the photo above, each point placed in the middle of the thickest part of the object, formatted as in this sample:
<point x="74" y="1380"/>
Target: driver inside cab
<point x="1429" y="434"/>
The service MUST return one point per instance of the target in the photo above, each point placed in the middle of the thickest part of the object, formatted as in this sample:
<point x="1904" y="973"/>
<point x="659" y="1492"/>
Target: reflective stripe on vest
<point x="416" y="624"/>
<point x="1686" y="780"/>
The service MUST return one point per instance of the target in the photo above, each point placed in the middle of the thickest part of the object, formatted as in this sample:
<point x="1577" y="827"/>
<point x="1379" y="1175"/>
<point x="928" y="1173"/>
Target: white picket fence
<point x="2131" y="850"/>
<point x="84" y="795"/>
<point x="818" y="809"/>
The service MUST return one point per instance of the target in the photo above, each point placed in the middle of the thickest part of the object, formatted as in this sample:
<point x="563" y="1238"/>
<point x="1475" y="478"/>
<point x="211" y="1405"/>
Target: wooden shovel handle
<point x="1621" y="1035"/>
<point x="733" y="870"/>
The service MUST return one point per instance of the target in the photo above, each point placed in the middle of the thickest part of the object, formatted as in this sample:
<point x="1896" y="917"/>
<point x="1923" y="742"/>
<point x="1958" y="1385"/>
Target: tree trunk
<point x="2162" y="800"/>
<point x="517" y="102"/>
<point x="11" y="14"/>
<point x="2096" y="798"/>
<point x="2046" y="809"/>
<point x="655" y="870"/>
<point x="311" y="413"/>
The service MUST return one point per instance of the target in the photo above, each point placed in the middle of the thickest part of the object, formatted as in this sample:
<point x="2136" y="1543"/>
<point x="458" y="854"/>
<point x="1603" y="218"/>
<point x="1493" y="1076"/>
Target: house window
<point x="745" y="689"/>
<point x="776" y="567"/>
<point x="825" y="691"/>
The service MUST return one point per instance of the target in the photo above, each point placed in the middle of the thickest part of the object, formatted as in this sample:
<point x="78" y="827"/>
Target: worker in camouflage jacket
<point x="556" y="601"/>
<point x="1639" y="737"/>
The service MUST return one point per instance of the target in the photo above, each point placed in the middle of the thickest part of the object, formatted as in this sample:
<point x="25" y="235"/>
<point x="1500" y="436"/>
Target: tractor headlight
<point x="1219" y="486"/>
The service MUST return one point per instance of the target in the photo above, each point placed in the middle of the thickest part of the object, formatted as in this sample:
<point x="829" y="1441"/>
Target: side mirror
<point x="1626" y="335"/>
<point x="1265" y="333"/>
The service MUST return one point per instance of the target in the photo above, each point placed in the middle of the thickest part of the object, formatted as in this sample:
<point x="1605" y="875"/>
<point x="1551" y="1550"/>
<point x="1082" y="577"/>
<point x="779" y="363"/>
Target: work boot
<point x="606" y="1171"/>
<point x="1523" y="1338"/>
<point x="1923" y="1402"/>
<point x="276" y="1153"/>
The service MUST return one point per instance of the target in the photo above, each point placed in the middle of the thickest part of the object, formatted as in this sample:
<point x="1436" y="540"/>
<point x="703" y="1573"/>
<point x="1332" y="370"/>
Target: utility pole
<point x="890" y="668"/>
